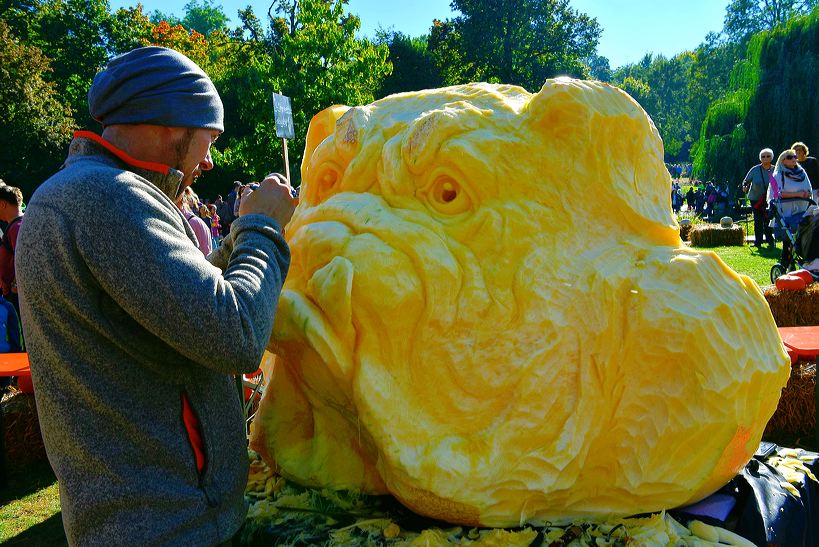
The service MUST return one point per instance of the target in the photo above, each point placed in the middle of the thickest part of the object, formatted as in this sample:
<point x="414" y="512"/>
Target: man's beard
<point x="181" y="148"/>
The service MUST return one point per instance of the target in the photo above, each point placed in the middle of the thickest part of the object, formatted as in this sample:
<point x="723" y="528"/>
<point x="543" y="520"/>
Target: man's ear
<point x="322" y="126"/>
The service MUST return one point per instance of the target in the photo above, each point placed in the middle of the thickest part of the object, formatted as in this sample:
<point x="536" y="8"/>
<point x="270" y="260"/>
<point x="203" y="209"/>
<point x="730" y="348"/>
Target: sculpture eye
<point x="448" y="197"/>
<point x="324" y="181"/>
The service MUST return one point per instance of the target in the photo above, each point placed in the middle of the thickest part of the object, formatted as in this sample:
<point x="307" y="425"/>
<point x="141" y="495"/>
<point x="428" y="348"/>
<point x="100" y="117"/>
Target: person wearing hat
<point x="133" y="334"/>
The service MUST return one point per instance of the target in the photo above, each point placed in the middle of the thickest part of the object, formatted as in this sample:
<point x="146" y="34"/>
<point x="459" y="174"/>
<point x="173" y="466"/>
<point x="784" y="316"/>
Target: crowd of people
<point x="780" y="188"/>
<point x="211" y="221"/>
<point x="679" y="170"/>
<point x="701" y="198"/>
<point x="781" y="191"/>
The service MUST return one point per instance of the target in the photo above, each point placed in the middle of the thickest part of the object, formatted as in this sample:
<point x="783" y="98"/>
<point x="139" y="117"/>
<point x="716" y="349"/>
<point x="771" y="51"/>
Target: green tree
<point x="413" y="67"/>
<point x="130" y="28"/>
<point x="710" y="74"/>
<point x="744" y="18"/>
<point x="75" y="35"/>
<point x="315" y="59"/>
<point x="772" y="101"/>
<point x="599" y="68"/>
<point x="36" y="125"/>
<point x="445" y="46"/>
<point x="521" y="42"/>
<point x="660" y="85"/>
<point x="158" y="17"/>
<point x="204" y="16"/>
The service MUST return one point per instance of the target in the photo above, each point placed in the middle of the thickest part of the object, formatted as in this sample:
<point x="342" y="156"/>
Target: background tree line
<point x="310" y="50"/>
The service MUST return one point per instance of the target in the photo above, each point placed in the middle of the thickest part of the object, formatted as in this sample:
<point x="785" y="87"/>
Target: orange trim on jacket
<point x="149" y="165"/>
<point x="194" y="431"/>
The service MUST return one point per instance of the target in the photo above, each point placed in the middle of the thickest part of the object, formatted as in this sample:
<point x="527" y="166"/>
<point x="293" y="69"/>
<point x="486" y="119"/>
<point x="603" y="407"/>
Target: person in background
<point x="231" y="199"/>
<point x="755" y="185"/>
<point x="238" y="199"/>
<point x="11" y="212"/>
<point x="810" y="165"/>
<point x="134" y="336"/>
<point x="791" y="182"/>
<point x="215" y="225"/>
<point x="188" y="203"/>
<point x="204" y="214"/>
<point x="10" y="339"/>
<point x="225" y="213"/>
<point x="690" y="198"/>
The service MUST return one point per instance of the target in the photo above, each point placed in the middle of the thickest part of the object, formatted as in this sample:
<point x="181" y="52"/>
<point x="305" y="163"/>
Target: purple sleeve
<point x="202" y="234"/>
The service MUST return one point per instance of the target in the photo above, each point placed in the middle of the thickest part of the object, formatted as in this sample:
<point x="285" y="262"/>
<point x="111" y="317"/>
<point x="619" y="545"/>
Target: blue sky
<point x="631" y="28"/>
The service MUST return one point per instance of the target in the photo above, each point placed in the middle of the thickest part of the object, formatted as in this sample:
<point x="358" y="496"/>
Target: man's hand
<point x="273" y="198"/>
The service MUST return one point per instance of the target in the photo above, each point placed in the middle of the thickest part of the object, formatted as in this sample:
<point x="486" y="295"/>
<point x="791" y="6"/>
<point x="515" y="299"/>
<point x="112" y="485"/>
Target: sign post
<point x="283" y="115"/>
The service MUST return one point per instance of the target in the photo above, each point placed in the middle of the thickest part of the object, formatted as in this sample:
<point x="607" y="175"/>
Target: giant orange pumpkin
<point x="490" y="314"/>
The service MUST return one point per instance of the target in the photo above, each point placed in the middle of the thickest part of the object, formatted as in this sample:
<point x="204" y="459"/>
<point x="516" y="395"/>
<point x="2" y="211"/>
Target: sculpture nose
<point x="331" y="288"/>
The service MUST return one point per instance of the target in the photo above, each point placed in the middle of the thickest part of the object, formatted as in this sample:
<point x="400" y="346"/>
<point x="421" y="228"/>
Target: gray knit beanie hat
<point x="158" y="86"/>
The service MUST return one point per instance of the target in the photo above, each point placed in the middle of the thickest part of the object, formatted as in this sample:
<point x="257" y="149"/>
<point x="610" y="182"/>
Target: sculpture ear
<point x="322" y="126"/>
<point x="603" y="137"/>
<point x="559" y="112"/>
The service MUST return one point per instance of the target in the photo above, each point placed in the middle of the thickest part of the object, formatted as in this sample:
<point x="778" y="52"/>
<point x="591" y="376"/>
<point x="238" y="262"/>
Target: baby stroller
<point x="798" y="230"/>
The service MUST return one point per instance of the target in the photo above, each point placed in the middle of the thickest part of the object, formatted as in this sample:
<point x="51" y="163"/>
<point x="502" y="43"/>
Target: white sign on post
<point x="283" y="116"/>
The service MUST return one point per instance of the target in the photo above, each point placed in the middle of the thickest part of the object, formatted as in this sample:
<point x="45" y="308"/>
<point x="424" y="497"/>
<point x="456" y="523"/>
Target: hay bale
<point x="24" y="444"/>
<point x="714" y="235"/>
<point x="685" y="231"/>
<point x="795" y="414"/>
<point x="793" y="308"/>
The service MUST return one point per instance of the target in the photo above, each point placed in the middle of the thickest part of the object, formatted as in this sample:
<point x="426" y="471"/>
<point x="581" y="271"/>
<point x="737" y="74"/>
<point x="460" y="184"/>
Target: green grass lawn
<point x="30" y="505"/>
<point x="754" y="262"/>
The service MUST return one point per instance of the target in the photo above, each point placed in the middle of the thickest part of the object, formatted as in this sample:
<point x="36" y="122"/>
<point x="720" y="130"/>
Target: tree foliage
<point x="36" y="125"/>
<point x="413" y="66"/>
<point x="520" y="42"/>
<point x="773" y="101"/>
<point x="316" y="59"/>
<point x="204" y="16"/>
<point x="660" y="86"/>
<point x="310" y="51"/>
<point x="744" y="18"/>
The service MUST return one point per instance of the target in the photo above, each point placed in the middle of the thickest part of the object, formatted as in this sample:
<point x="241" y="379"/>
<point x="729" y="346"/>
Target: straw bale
<point x="685" y="231"/>
<point x="714" y="235"/>
<point x="794" y="308"/>
<point x="795" y="415"/>
<point x="23" y="441"/>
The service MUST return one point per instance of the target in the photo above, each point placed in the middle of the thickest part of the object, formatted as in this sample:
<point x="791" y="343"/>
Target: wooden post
<point x="286" y="161"/>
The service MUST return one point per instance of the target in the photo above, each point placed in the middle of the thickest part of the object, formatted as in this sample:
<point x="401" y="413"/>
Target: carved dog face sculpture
<point x="490" y="315"/>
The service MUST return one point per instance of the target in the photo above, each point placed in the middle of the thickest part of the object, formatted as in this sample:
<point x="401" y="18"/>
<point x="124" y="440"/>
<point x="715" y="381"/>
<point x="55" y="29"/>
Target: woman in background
<point x="190" y="203"/>
<point x="791" y="181"/>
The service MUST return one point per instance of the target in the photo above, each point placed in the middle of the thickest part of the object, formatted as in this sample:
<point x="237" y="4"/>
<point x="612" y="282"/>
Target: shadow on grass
<point x="767" y="252"/>
<point x="49" y="532"/>
<point x="26" y="480"/>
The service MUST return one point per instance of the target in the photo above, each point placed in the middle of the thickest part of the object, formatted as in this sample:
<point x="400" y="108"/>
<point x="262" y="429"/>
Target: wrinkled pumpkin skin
<point x="490" y="315"/>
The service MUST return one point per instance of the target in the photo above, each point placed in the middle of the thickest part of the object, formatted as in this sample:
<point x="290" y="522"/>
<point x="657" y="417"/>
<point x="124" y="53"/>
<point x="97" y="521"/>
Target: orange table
<point x="14" y="364"/>
<point x="804" y="341"/>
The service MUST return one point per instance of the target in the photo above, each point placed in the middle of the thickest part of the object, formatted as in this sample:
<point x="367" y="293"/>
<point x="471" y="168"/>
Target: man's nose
<point x="207" y="163"/>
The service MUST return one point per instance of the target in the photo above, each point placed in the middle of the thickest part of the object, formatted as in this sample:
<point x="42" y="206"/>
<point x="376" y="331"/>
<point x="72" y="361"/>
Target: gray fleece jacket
<point x="123" y="315"/>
